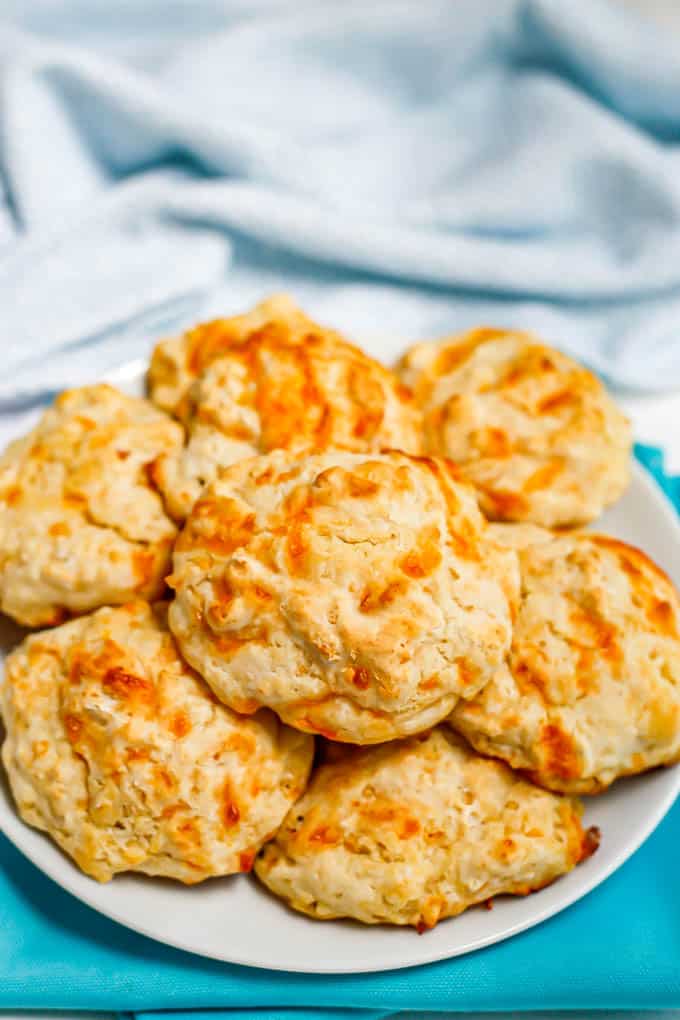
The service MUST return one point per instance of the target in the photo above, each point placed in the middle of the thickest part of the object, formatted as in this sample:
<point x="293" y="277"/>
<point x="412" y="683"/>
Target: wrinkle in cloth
<point x="404" y="169"/>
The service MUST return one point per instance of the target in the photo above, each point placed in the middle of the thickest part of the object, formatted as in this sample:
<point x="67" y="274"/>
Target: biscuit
<point x="121" y="753"/>
<point x="81" y="521"/>
<point x="358" y="596"/>
<point x="179" y="360"/>
<point x="418" y="830"/>
<point x="285" y="384"/>
<point x="535" y="433"/>
<point x="592" y="691"/>
<point x="519" y="536"/>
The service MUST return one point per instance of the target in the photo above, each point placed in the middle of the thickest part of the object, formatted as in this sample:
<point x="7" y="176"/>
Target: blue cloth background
<point x="618" y="948"/>
<point x="404" y="168"/>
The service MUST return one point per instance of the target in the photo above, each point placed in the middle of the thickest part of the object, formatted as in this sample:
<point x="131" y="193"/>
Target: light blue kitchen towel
<point x="618" y="948"/>
<point x="405" y="168"/>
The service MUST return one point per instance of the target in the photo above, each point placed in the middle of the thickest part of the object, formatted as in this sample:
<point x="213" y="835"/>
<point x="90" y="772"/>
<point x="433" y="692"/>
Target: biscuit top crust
<point x="269" y="380"/>
<point x="520" y="536"/>
<point x="176" y="362"/>
<point x="358" y="596"/>
<point x="118" y="750"/>
<point x="417" y="830"/>
<point x="81" y="520"/>
<point x="536" y="433"/>
<point x="593" y="687"/>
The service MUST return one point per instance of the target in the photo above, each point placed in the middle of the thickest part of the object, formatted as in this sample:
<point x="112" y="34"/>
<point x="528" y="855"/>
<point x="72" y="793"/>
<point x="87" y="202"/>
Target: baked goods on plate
<point x="536" y="433"/>
<point x="418" y="830"/>
<point x="120" y="752"/>
<point x="330" y="578"/>
<point x="356" y="595"/>
<point x="272" y="380"/>
<point x="591" y="690"/>
<point x="82" y="523"/>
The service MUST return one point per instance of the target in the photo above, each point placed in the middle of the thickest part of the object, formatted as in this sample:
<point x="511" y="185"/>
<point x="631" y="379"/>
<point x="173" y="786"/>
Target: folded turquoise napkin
<point x="619" y="948"/>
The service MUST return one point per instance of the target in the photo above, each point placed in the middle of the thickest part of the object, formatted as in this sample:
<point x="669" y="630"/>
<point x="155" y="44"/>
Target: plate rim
<point x="64" y="873"/>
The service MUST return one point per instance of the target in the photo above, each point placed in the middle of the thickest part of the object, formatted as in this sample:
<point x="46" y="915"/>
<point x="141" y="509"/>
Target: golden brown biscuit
<point x="277" y="382"/>
<point x="593" y="686"/>
<point x="519" y="536"/>
<point x="117" y="750"/>
<point x="81" y="521"/>
<point x="416" y="831"/>
<point x="358" y="596"/>
<point x="178" y="361"/>
<point x="535" y="433"/>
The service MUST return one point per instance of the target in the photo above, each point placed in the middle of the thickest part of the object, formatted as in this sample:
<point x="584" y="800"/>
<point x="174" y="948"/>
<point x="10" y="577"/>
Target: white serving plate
<point x="235" y="920"/>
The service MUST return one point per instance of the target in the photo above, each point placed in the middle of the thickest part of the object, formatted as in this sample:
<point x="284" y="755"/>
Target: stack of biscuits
<point x="336" y="625"/>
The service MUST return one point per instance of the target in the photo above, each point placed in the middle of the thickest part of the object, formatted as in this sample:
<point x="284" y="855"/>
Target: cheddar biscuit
<point x="178" y="361"/>
<point x="358" y="596"/>
<point x="117" y="750"/>
<point x="519" y="536"/>
<point x="592" y="688"/>
<point x="535" y="433"/>
<point x="418" y="830"/>
<point x="273" y="380"/>
<point x="81" y="521"/>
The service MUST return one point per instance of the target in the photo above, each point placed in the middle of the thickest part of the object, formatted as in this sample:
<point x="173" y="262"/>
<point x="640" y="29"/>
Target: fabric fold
<point x="502" y="162"/>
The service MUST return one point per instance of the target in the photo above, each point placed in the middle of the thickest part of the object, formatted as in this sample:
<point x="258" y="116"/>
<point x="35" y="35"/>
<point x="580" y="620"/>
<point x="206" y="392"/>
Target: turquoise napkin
<point x="619" y="948"/>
